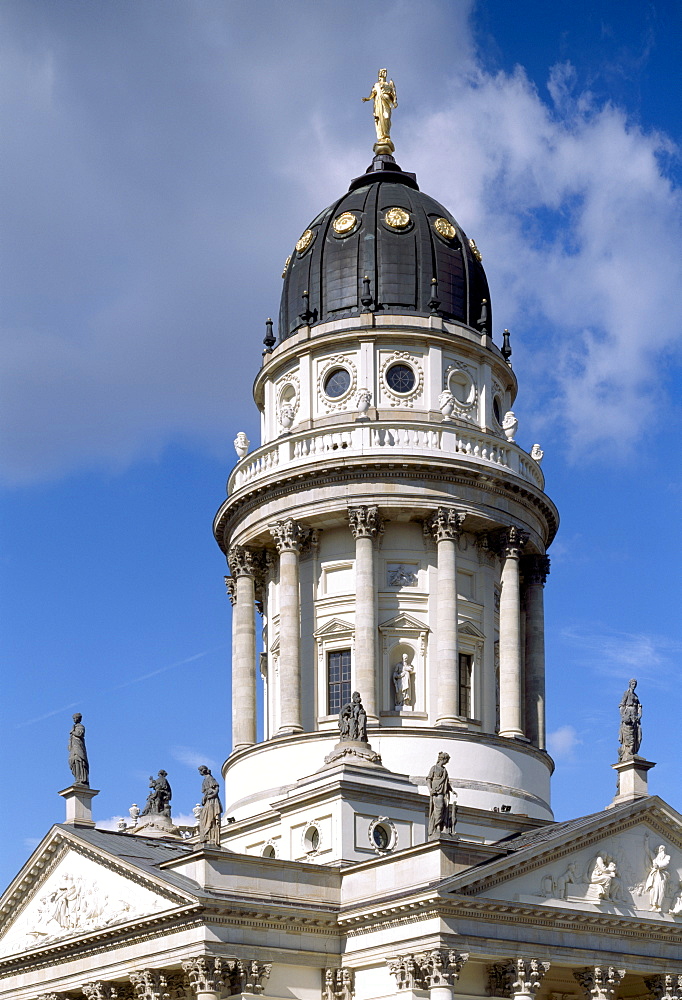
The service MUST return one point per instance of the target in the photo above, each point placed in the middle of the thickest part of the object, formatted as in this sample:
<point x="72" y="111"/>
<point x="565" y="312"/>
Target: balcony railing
<point x="297" y="450"/>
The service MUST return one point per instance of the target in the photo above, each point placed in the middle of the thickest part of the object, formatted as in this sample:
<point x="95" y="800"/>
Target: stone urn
<point x="510" y="425"/>
<point x="286" y="416"/>
<point x="446" y="404"/>
<point x="536" y="453"/>
<point x="363" y="402"/>
<point x="241" y="444"/>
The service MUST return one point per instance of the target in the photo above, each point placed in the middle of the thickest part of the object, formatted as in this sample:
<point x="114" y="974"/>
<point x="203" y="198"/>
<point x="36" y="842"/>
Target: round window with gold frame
<point x="304" y="242"/>
<point x="397" y="218"/>
<point x="345" y="223"/>
<point x="445" y="229"/>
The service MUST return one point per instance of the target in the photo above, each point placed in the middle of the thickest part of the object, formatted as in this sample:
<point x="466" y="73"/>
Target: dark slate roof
<point x="400" y="263"/>
<point x="533" y="838"/>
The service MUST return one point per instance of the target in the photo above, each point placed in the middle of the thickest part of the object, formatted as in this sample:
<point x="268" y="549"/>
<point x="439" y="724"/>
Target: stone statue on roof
<point x="78" y="755"/>
<point x="630" y="732"/>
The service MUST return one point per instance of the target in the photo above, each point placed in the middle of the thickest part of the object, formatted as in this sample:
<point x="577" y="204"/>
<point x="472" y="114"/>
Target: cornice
<point x="355" y="469"/>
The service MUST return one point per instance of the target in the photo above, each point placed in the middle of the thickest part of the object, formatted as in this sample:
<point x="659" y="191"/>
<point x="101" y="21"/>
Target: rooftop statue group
<point x="630" y="732"/>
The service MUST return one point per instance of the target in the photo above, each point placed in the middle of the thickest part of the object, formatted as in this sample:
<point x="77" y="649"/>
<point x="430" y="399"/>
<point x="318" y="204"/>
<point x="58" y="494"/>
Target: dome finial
<point x="384" y="97"/>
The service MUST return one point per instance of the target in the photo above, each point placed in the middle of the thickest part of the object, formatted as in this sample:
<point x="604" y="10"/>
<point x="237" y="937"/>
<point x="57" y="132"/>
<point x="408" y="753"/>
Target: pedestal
<point x="78" y="799"/>
<point x="632" y="780"/>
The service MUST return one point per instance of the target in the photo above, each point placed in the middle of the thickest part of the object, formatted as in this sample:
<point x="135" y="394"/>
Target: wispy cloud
<point x="622" y="654"/>
<point x="192" y="758"/>
<point x="563" y="742"/>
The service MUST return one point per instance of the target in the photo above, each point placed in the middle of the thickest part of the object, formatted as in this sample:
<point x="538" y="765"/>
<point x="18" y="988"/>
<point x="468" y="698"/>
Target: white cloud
<point x="562" y="743"/>
<point x="621" y="654"/>
<point x="192" y="758"/>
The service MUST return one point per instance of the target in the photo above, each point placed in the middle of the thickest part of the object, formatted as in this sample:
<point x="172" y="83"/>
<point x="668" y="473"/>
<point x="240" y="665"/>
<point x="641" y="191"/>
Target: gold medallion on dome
<point x="475" y="251"/>
<point x="444" y="228"/>
<point x="286" y="265"/>
<point x="305" y="241"/>
<point x="397" y="218"/>
<point x="344" y="223"/>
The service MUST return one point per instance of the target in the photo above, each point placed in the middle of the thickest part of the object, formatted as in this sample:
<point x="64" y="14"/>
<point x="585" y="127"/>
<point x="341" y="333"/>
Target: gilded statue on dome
<point x="384" y="99"/>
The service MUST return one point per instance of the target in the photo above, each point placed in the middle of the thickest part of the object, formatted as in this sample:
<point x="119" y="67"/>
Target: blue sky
<point x="161" y="159"/>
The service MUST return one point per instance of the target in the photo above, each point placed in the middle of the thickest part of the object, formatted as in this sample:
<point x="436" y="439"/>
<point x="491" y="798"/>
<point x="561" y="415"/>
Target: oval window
<point x="337" y="383"/>
<point x="400" y="378"/>
<point x="381" y="837"/>
<point x="496" y="410"/>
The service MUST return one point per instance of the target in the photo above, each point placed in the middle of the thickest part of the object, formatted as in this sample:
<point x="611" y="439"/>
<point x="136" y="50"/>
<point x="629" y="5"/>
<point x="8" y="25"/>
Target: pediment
<point x="469" y="629"/>
<point x="334" y="627"/>
<point x="404" y="623"/>
<point x="607" y="863"/>
<point x="66" y="891"/>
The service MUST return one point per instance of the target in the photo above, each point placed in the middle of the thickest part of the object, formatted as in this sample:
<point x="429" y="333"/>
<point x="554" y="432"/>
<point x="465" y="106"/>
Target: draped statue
<point x="383" y="96"/>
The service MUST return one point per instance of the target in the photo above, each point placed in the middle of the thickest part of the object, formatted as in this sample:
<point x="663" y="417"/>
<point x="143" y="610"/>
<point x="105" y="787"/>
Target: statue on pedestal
<point x="442" y="813"/>
<point x="211" y="809"/>
<point x="630" y="732"/>
<point x="384" y="98"/>
<point x="353" y="720"/>
<point x="78" y="756"/>
<point x="158" y="800"/>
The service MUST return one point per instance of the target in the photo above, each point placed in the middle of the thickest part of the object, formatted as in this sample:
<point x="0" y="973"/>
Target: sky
<point x="160" y="160"/>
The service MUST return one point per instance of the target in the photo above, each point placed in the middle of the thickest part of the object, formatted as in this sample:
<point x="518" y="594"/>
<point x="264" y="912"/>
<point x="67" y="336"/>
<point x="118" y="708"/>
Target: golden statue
<point x="384" y="97"/>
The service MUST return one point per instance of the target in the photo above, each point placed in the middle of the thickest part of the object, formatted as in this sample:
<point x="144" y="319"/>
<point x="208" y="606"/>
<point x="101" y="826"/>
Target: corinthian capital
<point x="665" y="987"/>
<point x="513" y="542"/>
<point x="231" y="588"/>
<point x="289" y="535"/>
<point x="501" y="978"/>
<point x="207" y="974"/>
<point x="365" y="522"/>
<point x="535" y="569"/>
<point x="244" y="562"/>
<point x="249" y="976"/>
<point x="444" y="523"/>
<point x="150" y="984"/>
<point x="600" y="982"/>
<point x="338" y="984"/>
<point x="529" y="973"/>
<point x="100" y="991"/>
<point x="441" y="967"/>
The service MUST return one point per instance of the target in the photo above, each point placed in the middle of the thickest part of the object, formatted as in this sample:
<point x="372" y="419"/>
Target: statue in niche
<point x="605" y="878"/>
<point x="630" y="732"/>
<point x="211" y="808"/>
<point x="353" y="720"/>
<point x="78" y="755"/>
<point x="158" y="800"/>
<point x="403" y="672"/>
<point x="657" y="878"/>
<point x="442" y="812"/>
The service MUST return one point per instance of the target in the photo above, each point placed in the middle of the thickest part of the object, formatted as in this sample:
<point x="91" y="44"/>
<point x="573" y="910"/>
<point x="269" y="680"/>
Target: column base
<point x="288" y="731"/>
<point x="513" y="734"/>
<point x="450" y="722"/>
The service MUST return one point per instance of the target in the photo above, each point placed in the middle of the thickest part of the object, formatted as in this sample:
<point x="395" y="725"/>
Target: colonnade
<point x="521" y="651"/>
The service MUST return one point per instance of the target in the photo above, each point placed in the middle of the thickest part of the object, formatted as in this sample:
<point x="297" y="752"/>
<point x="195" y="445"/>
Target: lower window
<point x="466" y="662"/>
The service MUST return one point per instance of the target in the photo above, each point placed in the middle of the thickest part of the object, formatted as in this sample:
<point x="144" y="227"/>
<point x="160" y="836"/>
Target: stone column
<point x="289" y="538"/>
<point x="511" y="662"/>
<point x="207" y="976"/>
<point x="600" y="982"/>
<point x="535" y="570"/>
<point x="365" y="524"/>
<point x="445" y="524"/>
<point x="487" y="558"/>
<point x="244" y="564"/>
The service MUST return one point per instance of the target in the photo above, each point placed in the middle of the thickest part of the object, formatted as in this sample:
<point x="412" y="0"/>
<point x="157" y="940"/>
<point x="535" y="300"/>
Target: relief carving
<point x="440" y="967"/>
<point x="339" y="984"/>
<point x="600" y="982"/>
<point x="666" y="987"/>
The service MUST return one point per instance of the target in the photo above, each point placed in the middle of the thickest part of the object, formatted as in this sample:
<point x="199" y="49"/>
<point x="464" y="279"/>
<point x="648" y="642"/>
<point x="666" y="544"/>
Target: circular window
<point x="400" y="378"/>
<point x="311" y="839"/>
<point x="462" y="387"/>
<point x="337" y="382"/>
<point x="381" y="837"/>
<point x="268" y="851"/>
<point x="497" y="413"/>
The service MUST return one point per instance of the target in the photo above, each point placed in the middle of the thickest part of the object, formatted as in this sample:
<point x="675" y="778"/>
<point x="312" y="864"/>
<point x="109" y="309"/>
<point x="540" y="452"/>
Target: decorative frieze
<point x="600" y="982"/>
<point x="365" y="522"/>
<point x="439" y="967"/>
<point x="665" y="987"/>
<point x="150" y="984"/>
<point x="444" y="523"/>
<point x="289" y="535"/>
<point x="339" y="984"/>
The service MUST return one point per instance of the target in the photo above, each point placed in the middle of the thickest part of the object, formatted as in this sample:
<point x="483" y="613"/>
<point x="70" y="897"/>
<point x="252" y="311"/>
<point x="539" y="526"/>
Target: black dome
<point x="323" y="279"/>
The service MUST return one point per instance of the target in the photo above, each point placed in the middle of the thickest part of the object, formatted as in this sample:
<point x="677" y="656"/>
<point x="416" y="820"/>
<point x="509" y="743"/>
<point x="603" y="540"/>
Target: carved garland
<point x="407" y="398"/>
<point x="340" y="402"/>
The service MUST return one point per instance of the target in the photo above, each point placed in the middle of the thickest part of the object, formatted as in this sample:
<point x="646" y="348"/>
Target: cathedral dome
<point x="388" y="231"/>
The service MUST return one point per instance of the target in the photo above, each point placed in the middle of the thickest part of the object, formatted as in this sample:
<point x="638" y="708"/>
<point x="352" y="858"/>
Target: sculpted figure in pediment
<point x="605" y="878"/>
<point x="657" y="878"/>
